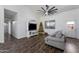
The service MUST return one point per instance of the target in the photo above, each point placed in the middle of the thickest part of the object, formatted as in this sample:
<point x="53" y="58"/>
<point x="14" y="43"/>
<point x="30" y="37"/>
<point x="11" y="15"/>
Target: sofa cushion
<point x="54" y="38"/>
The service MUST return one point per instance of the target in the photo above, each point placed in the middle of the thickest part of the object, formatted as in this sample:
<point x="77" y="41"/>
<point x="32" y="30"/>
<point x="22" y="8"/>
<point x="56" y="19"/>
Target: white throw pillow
<point x="58" y="34"/>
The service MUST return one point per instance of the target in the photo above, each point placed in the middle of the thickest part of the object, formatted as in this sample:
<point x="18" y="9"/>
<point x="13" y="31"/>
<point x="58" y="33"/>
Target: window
<point x="71" y="25"/>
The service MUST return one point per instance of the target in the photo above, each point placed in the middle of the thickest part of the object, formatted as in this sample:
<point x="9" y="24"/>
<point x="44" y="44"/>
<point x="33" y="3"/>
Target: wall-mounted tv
<point x="32" y="26"/>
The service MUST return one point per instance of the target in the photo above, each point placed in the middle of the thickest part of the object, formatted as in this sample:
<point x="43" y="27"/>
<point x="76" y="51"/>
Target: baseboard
<point x="71" y="37"/>
<point x="2" y="41"/>
<point x="14" y="36"/>
<point x="22" y="38"/>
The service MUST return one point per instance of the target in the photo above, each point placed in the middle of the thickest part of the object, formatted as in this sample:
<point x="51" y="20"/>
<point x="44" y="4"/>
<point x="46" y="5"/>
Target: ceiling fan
<point x="47" y="10"/>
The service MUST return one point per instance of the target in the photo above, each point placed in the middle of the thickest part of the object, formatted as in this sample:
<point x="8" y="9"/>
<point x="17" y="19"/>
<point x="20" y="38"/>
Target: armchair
<point x="56" y="40"/>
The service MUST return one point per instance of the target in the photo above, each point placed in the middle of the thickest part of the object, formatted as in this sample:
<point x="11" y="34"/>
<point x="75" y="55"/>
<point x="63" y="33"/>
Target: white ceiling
<point x="61" y="8"/>
<point x="34" y="8"/>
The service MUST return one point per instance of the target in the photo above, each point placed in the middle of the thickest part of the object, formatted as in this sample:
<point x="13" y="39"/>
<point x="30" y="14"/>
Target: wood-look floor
<point x="34" y="44"/>
<point x="72" y="45"/>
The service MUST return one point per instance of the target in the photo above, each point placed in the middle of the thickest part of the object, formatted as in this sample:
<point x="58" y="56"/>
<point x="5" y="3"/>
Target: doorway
<point x="9" y="24"/>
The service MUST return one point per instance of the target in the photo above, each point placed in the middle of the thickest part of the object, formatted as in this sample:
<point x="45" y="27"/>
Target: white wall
<point x="13" y="26"/>
<point x="61" y="20"/>
<point x="5" y="27"/>
<point x="72" y="15"/>
<point x="1" y="25"/>
<point x="9" y="27"/>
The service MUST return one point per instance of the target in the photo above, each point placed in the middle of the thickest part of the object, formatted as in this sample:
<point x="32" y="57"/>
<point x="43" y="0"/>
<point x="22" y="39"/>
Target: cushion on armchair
<point x="57" y="34"/>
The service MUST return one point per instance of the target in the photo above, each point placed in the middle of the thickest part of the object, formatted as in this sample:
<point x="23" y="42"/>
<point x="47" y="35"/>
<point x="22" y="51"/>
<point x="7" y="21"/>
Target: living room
<point x="30" y="29"/>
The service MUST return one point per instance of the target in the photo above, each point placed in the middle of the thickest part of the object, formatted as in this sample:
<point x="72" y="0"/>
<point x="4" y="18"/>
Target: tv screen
<point x="32" y="26"/>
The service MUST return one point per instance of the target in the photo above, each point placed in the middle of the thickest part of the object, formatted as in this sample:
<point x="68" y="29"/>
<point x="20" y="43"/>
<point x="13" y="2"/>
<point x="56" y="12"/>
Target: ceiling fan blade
<point x="43" y="14"/>
<point x="56" y="9"/>
<point x="52" y="8"/>
<point x="47" y="6"/>
<point x="40" y="10"/>
<point x="43" y="9"/>
<point x="53" y="12"/>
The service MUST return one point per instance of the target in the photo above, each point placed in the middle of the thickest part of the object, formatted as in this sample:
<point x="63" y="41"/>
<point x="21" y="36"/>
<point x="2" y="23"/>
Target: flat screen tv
<point x="32" y="26"/>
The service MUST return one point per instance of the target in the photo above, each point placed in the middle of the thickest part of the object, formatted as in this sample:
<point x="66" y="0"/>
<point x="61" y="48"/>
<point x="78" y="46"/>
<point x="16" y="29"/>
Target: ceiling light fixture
<point x="48" y="11"/>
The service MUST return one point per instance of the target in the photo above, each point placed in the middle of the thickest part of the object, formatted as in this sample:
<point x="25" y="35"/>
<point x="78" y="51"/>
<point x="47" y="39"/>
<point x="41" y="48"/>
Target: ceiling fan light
<point x="46" y="13"/>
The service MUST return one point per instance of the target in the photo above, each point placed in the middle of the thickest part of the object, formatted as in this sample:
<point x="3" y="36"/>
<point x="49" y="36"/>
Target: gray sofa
<point x="56" y="40"/>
